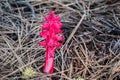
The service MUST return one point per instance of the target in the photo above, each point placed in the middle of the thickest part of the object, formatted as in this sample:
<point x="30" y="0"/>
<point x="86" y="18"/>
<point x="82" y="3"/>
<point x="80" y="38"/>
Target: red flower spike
<point x="51" y="32"/>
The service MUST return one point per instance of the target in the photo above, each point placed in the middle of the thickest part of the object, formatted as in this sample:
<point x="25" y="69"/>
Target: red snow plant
<point x="51" y="32"/>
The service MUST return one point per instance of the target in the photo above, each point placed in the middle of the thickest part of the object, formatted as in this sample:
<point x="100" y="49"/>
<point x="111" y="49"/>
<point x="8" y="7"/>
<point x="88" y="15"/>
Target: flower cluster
<point x="51" y="32"/>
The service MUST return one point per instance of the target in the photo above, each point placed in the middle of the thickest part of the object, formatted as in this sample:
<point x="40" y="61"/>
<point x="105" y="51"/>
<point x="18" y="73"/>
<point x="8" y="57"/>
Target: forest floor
<point x="90" y="51"/>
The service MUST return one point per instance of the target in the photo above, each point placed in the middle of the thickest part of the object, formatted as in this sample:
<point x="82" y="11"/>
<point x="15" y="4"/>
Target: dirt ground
<point x="90" y="51"/>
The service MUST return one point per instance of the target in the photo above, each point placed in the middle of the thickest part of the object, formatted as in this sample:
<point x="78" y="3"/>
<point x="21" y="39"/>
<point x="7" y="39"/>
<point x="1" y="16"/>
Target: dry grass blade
<point x="13" y="51"/>
<point x="73" y="32"/>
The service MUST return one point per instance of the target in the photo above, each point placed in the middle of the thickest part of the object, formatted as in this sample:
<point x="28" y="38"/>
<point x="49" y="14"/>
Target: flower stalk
<point x="52" y="34"/>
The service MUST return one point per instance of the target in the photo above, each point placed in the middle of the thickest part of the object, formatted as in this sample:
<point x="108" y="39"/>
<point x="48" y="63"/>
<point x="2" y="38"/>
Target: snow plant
<point x="52" y="34"/>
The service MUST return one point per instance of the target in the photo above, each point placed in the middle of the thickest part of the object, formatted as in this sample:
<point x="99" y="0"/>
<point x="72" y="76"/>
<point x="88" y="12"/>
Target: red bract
<point x="51" y="32"/>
